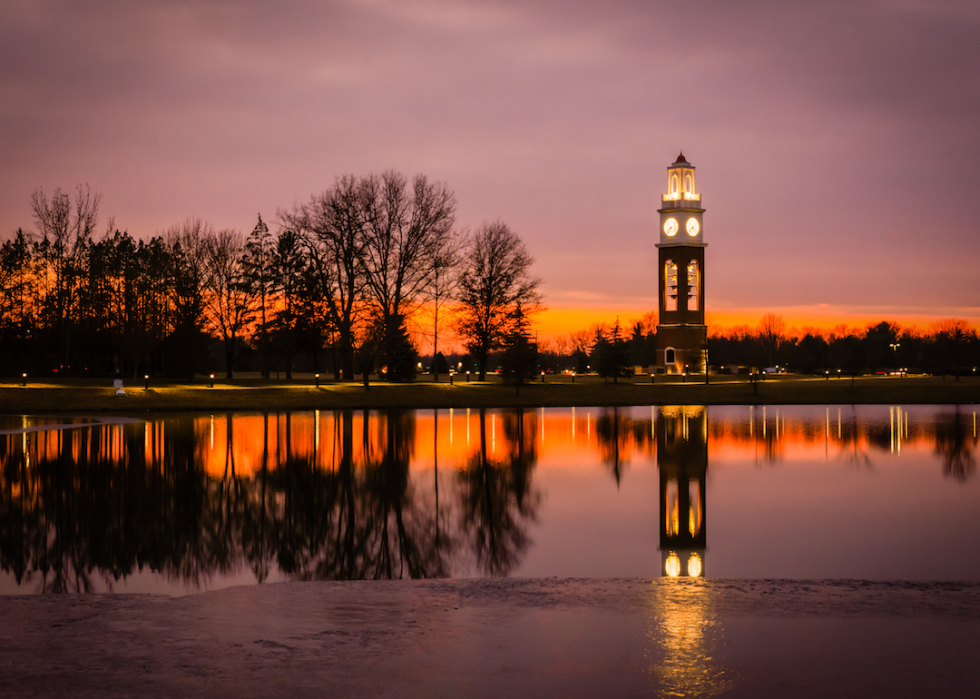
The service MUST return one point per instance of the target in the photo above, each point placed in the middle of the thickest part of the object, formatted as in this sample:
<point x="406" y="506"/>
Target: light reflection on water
<point x="686" y="640"/>
<point x="190" y="502"/>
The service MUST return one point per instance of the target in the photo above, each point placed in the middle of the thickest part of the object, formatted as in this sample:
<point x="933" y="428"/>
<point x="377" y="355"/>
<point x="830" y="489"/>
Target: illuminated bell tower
<point x="681" y="333"/>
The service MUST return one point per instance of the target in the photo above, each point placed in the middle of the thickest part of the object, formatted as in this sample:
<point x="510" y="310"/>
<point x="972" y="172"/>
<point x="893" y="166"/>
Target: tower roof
<point x="681" y="160"/>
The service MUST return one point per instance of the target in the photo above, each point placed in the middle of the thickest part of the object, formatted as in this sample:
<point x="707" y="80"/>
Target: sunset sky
<point x="837" y="144"/>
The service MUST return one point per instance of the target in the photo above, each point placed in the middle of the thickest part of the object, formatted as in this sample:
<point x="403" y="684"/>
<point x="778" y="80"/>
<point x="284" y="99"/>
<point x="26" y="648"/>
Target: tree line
<point x="346" y="280"/>
<point x="614" y="350"/>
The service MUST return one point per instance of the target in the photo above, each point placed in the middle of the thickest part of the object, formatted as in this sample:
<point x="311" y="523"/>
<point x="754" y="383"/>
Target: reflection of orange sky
<point x="560" y="437"/>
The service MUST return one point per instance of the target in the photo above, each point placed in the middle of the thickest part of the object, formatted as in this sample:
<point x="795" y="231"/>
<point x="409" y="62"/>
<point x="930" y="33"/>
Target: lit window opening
<point x="670" y="286"/>
<point x="692" y="285"/>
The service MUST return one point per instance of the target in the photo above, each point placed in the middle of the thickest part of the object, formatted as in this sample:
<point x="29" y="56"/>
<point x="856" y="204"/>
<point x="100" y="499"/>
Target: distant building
<point x="682" y="336"/>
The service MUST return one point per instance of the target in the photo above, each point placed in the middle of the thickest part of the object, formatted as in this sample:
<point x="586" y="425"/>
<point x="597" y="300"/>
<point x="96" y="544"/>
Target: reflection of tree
<point x="850" y="442"/>
<point x="617" y="435"/>
<point x="402" y="536"/>
<point x="258" y="517"/>
<point x="81" y="502"/>
<point x="359" y="519"/>
<point x="497" y="499"/>
<point x="955" y="448"/>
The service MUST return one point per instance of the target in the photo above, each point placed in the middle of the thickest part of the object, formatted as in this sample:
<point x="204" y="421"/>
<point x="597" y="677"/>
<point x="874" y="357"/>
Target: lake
<point x="178" y="504"/>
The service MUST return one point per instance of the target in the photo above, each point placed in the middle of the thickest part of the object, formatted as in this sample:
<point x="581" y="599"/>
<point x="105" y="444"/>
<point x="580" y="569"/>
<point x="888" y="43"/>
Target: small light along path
<point x="83" y="422"/>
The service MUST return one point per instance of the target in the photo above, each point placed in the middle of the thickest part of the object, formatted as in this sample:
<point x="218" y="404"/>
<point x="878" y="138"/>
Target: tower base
<point x="682" y="348"/>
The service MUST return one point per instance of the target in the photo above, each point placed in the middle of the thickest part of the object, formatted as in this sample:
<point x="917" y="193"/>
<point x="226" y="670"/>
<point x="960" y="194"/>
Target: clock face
<point x="693" y="227"/>
<point x="670" y="227"/>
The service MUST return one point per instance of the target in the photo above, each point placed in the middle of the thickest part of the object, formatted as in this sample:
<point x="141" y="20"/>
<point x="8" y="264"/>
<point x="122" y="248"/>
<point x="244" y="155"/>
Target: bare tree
<point x="495" y="278"/>
<point x="333" y="225"/>
<point x="186" y="274"/>
<point x="443" y="284"/>
<point x="405" y="233"/>
<point x="772" y="329"/>
<point x="66" y="227"/>
<point x="229" y="302"/>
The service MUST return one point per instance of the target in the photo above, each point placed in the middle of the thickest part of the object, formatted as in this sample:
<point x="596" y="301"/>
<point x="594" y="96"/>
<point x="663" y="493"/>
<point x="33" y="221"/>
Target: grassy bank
<point x="98" y="395"/>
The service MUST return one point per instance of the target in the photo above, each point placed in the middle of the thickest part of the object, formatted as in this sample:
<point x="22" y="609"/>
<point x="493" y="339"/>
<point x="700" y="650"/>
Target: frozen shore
<point x="489" y="638"/>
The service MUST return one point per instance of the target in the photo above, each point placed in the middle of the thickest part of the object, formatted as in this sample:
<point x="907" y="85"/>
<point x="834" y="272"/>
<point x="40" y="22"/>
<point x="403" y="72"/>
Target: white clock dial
<point x="693" y="227"/>
<point x="670" y="227"/>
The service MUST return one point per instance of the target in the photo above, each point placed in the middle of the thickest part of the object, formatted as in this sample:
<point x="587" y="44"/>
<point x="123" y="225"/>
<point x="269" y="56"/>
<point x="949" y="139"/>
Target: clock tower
<point x="681" y="333"/>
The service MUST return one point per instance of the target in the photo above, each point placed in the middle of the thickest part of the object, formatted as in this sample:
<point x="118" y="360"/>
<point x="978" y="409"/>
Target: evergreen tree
<point x="611" y="355"/>
<point x="520" y="357"/>
<point x="257" y="273"/>
<point x="400" y="355"/>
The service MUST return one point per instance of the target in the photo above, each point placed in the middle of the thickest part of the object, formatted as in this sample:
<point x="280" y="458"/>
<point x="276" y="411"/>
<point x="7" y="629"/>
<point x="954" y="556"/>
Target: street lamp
<point x="317" y="377"/>
<point x="24" y="376"/>
<point x="146" y="382"/>
<point x="212" y="380"/>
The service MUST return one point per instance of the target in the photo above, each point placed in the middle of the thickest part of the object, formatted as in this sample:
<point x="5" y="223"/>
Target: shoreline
<point x="98" y="396"/>
<point x="489" y="638"/>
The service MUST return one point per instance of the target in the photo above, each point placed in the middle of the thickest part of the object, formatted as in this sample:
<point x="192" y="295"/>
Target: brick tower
<point x="682" y="335"/>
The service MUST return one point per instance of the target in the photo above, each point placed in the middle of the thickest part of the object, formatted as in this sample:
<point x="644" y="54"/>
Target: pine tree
<point x="520" y="357"/>
<point x="611" y="355"/>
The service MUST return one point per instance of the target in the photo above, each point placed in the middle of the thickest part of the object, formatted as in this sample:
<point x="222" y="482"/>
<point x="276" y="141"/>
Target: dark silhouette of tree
<point x="520" y="357"/>
<point x="400" y="355"/>
<point x="229" y="300"/>
<point x="18" y="305"/>
<point x="442" y="286"/>
<point x="772" y="329"/>
<point x="405" y="237"/>
<point x="611" y="353"/>
<point x="334" y="226"/>
<point x="258" y="275"/>
<point x="66" y="226"/>
<point x="494" y="278"/>
<point x="877" y="345"/>
<point x="186" y="344"/>
<point x="291" y="284"/>
<point x="951" y="338"/>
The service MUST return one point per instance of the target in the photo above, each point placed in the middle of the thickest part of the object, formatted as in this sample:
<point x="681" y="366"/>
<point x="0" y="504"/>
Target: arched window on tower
<point x="670" y="286"/>
<point x="687" y="183"/>
<point x="673" y="184"/>
<point x="692" y="285"/>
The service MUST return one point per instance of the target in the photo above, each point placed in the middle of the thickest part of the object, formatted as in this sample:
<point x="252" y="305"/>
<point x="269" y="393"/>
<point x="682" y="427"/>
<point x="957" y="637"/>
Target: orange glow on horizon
<point x="562" y="320"/>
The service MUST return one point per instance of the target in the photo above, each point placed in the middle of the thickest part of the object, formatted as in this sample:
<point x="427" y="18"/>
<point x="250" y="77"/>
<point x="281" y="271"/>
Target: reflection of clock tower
<point x="682" y="459"/>
<point x="681" y="333"/>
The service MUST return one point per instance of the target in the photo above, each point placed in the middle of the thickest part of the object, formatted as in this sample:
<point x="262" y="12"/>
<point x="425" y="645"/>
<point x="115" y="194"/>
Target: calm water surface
<point x="192" y="502"/>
